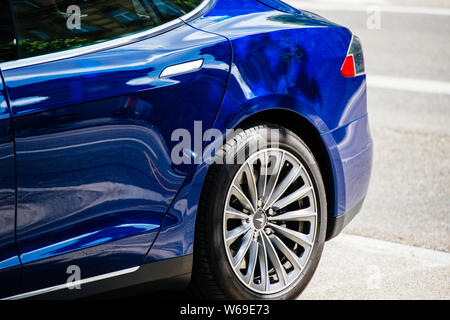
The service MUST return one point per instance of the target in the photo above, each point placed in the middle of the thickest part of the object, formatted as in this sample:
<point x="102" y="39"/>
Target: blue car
<point x="166" y="144"/>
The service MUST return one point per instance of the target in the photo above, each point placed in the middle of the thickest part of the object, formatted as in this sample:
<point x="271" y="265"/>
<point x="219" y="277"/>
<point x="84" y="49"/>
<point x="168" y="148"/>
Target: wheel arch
<point x="298" y="124"/>
<point x="189" y="196"/>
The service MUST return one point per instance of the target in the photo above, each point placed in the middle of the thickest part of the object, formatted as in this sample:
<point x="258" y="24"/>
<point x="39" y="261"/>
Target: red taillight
<point x="354" y="61"/>
<point x="348" y="68"/>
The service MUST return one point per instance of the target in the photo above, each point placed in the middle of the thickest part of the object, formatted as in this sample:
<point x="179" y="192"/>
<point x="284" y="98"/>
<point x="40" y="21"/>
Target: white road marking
<point x="408" y="84"/>
<point x="437" y="258"/>
<point x="358" y="7"/>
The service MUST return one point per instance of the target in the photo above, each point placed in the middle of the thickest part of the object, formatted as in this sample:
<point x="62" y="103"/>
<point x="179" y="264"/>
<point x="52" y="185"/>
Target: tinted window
<point x="45" y="26"/>
<point x="8" y="49"/>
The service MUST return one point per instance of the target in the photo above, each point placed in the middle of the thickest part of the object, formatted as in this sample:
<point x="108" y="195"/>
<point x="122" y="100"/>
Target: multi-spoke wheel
<point x="261" y="223"/>
<point x="269" y="220"/>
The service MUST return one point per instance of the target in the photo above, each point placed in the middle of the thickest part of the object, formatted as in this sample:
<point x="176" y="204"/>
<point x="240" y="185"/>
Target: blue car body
<point x="86" y="138"/>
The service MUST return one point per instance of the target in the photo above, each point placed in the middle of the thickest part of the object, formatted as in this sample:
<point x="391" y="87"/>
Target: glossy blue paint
<point x="176" y="237"/>
<point x="89" y="239"/>
<point x="280" y="6"/>
<point x="351" y="148"/>
<point x="96" y="186"/>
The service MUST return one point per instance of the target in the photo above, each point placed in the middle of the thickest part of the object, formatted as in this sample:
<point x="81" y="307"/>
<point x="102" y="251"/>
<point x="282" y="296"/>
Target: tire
<point x="213" y="274"/>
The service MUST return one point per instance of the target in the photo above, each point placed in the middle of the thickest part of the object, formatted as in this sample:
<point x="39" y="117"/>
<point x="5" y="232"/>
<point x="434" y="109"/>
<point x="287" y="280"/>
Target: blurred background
<point x="398" y="247"/>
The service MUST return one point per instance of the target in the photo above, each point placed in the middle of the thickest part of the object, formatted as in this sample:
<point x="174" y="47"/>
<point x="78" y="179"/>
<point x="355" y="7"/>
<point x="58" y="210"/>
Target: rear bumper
<point x="351" y="152"/>
<point x="336" y="224"/>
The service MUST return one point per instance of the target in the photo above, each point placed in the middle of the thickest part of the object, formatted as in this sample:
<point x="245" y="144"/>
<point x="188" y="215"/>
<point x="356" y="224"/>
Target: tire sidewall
<point x="224" y="175"/>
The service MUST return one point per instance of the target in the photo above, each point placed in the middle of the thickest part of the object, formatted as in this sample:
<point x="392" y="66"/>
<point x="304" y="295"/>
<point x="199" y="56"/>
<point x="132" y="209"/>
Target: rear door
<point x="94" y="115"/>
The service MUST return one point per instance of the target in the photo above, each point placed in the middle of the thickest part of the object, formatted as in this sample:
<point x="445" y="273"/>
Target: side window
<point x="45" y="26"/>
<point x="8" y="48"/>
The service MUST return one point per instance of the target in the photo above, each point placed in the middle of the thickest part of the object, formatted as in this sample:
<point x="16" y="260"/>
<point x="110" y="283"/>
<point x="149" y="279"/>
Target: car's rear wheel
<point x="262" y="220"/>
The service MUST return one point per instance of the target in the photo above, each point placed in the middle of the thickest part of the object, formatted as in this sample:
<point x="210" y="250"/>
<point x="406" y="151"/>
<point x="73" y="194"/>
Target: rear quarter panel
<point x="288" y="61"/>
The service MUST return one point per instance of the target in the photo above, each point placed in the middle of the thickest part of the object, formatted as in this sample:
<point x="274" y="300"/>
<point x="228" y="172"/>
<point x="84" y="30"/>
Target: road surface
<point x="399" y="245"/>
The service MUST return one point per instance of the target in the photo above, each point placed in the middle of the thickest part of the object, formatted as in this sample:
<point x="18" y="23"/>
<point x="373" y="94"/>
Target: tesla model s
<point x="215" y="145"/>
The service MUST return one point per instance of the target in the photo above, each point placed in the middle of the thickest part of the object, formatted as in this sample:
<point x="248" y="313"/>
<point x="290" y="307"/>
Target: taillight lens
<point x="354" y="62"/>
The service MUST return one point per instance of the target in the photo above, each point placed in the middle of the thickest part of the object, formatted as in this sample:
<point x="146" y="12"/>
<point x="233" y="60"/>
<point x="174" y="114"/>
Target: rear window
<point x="45" y="26"/>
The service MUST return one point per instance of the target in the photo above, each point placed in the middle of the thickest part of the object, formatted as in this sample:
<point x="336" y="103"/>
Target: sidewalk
<point x="354" y="267"/>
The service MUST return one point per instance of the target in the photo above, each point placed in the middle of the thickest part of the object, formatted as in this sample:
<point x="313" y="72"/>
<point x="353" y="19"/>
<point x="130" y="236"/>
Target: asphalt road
<point x="399" y="245"/>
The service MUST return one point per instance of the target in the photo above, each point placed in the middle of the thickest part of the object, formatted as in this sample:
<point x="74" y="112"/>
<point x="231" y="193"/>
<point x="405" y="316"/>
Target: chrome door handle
<point x="186" y="67"/>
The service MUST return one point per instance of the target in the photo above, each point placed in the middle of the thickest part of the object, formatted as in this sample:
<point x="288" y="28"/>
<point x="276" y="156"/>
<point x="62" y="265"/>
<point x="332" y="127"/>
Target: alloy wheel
<point x="270" y="221"/>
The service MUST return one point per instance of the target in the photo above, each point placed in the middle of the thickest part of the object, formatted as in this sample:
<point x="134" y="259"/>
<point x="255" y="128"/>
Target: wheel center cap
<point x="259" y="219"/>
